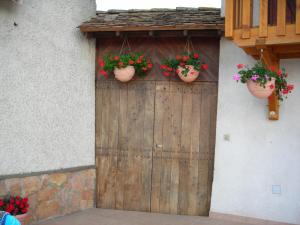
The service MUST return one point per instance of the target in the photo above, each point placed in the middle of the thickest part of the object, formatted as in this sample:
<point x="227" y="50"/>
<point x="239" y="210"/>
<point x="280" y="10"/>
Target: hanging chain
<point x="189" y="45"/>
<point x="125" y="42"/>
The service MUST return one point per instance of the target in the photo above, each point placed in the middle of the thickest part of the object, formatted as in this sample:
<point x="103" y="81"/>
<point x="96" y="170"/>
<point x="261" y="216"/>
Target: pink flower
<point x="236" y="77"/>
<point x="254" y="77"/>
<point x="271" y="86"/>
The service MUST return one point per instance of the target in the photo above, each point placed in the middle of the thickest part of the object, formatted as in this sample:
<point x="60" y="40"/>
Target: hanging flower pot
<point x="262" y="81"/>
<point x="124" y="74"/>
<point x="259" y="91"/>
<point x="186" y="65"/>
<point x="124" y="66"/>
<point x="17" y="206"/>
<point x="187" y="74"/>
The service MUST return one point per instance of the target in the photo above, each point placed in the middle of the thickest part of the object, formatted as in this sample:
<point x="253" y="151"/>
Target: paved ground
<point x="116" y="217"/>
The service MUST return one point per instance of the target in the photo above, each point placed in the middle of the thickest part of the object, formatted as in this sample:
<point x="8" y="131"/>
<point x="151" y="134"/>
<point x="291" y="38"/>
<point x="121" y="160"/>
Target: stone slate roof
<point x="180" y="18"/>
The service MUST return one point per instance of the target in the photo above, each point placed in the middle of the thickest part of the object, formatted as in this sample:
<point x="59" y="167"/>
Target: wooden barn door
<point x="184" y="136"/>
<point x="155" y="136"/>
<point x="124" y="144"/>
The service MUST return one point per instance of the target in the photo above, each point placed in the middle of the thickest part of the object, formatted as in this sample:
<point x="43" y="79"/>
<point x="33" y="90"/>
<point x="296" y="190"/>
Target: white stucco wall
<point x="46" y="86"/>
<point x="260" y="152"/>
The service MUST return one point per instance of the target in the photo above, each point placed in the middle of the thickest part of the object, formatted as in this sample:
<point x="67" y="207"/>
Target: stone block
<point x="13" y="186"/>
<point x="31" y="185"/>
<point x="58" y="178"/>
<point x="48" y="209"/>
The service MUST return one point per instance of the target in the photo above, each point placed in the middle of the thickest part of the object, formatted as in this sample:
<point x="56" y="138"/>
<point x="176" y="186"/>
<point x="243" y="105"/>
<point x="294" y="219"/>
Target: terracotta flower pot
<point x="124" y="74"/>
<point x="21" y="217"/>
<point x="260" y="91"/>
<point x="190" y="76"/>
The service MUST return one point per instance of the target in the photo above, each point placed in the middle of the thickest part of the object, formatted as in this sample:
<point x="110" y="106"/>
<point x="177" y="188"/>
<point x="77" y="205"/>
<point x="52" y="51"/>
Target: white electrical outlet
<point x="276" y="189"/>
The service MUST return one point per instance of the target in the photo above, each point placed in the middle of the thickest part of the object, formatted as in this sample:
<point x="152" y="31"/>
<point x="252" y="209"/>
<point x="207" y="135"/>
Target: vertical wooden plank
<point x="132" y="186"/>
<point x="246" y="18"/>
<point x="148" y="144"/>
<point x="271" y="60"/>
<point x="263" y="18"/>
<point x="203" y="150"/>
<point x="193" y="206"/>
<point x="176" y="113"/>
<point x="104" y="154"/>
<point x="140" y="155"/>
<point x="166" y="161"/>
<point x="160" y="99"/>
<point x="297" y="16"/>
<point x="212" y="139"/>
<point x="281" y="17"/>
<point x="122" y="146"/>
<point x="185" y="149"/>
<point x="229" y="18"/>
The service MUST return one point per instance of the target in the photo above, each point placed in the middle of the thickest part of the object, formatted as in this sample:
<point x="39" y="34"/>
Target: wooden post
<point x="246" y="18"/>
<point x="281" y="17"/>
<point x="272" y="60"/>
<point x="297" y="16"/>
<point x="263" y="18"/>
<point x="229" y="17"/>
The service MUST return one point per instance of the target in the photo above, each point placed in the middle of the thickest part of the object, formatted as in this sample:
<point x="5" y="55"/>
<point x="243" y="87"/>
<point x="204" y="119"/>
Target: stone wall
<point x="54" y="194"/>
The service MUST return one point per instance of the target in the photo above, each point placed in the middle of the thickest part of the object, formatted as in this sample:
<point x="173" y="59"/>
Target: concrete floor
<point x="116" y="217"/>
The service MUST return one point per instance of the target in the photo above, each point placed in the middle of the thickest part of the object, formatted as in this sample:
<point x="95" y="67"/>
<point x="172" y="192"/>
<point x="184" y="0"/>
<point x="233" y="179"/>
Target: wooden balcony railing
<point x="269" y="23"/>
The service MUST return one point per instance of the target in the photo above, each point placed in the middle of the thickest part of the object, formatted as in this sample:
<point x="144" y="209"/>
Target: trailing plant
<point x="109" y="62"/>
<point x="260" y="74"/>
<point x="15" y="205"/>
<point x="184" y="60"/>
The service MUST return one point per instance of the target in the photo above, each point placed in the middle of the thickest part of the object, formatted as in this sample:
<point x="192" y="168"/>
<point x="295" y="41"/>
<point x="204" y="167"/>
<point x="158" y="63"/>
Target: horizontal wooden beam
<point x="97" y="28"/>
<point x="159" y="34"/>
<point x="273" y="39"/>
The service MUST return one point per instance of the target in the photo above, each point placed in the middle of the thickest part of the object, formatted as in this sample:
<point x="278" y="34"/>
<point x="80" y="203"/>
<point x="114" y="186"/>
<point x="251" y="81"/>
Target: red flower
<point x="169" y="69"/>
<point x="1" y="202"/>
<point x="286" y="74"/>
<point x="177" y="71"/>
<point x="185" y="58"/>
<point x="279" y="73"/>
<point x="121" y="64"/>
<point x="290" y="87"/>
<point x="150" y="65"/>
<point x="141" y="57"/>
<point x="24" y="211"/>
<point x="163" y="67"/>
<point x="144" y="68"/>
<point x="196" y="55"/>
<point x="285" y="91"/>
<point x="272" y="68"/>
<point x="166" y="74"/>
<point x="116" y="58"/>
<point x="178" y="57"/>
<point x="131" y="62"/>
<point x="182" y="64"/>
<point x="240" y="66"/>
<point x="103" y="73"/>
<point x="204" y="66"/>
<point x="101" y="64"/>
<point x="139" y="61"/>
<point x="271" y="86"/>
